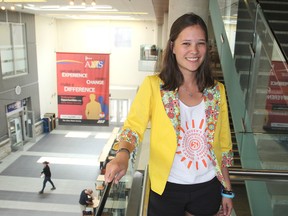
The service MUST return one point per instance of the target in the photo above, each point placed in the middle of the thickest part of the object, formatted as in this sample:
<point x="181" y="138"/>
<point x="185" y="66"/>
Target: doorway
<point x="15" y="129"/>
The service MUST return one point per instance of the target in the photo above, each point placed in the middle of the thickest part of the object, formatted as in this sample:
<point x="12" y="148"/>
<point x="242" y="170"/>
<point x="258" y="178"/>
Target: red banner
<point x="277" y="98"/>
<point x="83" y="88"/>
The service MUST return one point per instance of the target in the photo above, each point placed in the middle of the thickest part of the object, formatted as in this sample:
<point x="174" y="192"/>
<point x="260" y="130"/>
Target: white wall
<point x="46" y="41"/>
<point x="90" y="37"/>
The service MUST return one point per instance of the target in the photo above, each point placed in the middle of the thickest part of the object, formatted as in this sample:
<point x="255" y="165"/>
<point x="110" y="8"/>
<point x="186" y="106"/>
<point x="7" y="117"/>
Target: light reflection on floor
<point x="71" y="161"/>
<point x="102" y="135"/>
<point x="78" y="134"/>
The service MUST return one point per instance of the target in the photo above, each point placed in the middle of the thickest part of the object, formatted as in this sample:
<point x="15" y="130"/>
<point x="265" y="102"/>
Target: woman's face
<point x="190" y="48"/>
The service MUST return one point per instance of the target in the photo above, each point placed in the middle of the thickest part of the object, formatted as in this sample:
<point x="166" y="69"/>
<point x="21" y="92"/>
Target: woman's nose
<point x="194" y="48"/>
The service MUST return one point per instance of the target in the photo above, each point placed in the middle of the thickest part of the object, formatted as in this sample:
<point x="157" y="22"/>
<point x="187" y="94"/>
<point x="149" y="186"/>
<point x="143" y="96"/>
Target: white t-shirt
<point x="192" y="162"/>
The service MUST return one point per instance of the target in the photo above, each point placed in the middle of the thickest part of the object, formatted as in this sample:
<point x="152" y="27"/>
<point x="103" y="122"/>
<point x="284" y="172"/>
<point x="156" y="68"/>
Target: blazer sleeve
<point x="139" y="115"/>
<point x="225" y="133"/>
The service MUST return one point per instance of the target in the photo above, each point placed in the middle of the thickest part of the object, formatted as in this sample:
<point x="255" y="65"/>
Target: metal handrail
<point x="145" y="194"/>
<point x="258" y="174"/>
<point x="103" y="199"/>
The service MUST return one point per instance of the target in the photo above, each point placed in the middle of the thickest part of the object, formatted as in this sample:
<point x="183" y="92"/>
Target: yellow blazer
<point x="161" y="108"/>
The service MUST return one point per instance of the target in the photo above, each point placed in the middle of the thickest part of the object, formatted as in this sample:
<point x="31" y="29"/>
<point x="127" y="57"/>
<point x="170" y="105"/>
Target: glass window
<point x="13" y="52"/>
<point x="118" y="111"/>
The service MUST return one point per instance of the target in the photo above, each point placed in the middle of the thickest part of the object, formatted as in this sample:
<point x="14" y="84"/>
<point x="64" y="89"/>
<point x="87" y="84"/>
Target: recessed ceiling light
<point x="50" y="7"/>
<point x="58" y="8"/>
<point x="23" y="1"/>
<point x="103" y="7"/>
<point x="74" y="7"/>
<point x="100" y="17"/>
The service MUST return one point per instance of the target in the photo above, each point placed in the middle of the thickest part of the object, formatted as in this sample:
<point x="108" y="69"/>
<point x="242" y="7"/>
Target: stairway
<point x="240" y="202"/>
<point x="276" y="15"/>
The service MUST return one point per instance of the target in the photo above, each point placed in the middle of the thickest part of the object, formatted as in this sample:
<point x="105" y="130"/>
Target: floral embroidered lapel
<point x="212" y="109"/>
<point x="211" y="96"/>
<point x="170" y="101"/>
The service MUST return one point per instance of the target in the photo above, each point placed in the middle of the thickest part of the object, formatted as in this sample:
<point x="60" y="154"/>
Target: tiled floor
<point x="73" y="154"/>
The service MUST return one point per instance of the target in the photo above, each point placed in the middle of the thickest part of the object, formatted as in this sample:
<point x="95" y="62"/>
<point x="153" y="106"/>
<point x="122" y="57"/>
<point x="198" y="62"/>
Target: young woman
<point x="190" y="143"/>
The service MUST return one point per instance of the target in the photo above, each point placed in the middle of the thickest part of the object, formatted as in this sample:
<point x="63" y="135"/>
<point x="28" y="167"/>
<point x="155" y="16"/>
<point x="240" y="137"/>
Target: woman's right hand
<point x="116" y="168"/>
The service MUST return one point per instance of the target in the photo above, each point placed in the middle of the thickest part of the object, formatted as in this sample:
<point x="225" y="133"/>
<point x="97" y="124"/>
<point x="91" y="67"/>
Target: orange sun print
<point x="193" y="146"/>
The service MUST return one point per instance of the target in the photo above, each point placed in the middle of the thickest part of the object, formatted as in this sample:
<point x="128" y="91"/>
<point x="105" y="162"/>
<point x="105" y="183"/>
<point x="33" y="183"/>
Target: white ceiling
<point x="104" y="9"/>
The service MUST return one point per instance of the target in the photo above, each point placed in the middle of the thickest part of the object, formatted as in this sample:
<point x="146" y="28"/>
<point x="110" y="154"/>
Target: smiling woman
<point x="186" y="107"/>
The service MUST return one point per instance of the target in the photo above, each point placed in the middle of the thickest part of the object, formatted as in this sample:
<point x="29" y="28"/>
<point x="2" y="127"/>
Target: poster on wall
<point x="83" y="88"/>
<point x="277" y="98"/>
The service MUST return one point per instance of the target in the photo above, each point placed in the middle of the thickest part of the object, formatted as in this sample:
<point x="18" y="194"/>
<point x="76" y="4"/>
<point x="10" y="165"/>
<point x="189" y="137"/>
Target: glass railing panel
<point x="261" y="75"/>
<point x="260" y="64"/>
<point x="276" y="103"/>
<point x="265" y="151"/>
<point x="265" y="90"/>
<point x="268" y="197"/>
<point x="273" y="151"/>
<point x="268" y="103"/>
<point x="262" y="71"/>
<point x="229" y="12"/>
<point x="244" y="52"/>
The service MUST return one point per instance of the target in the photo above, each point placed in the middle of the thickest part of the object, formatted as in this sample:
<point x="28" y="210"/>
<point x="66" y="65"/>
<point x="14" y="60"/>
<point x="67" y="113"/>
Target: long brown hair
<point x="170" y="72"/>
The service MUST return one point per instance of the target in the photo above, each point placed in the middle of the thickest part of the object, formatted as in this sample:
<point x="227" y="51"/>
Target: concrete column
<point x="180" y="7"/>
<point x="165" y="30"/>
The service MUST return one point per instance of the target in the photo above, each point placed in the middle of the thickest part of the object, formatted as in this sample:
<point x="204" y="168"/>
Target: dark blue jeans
<point x="45" y="181"/>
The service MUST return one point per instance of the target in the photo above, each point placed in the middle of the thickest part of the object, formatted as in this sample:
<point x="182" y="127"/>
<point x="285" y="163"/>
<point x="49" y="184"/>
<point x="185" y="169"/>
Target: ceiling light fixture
<point x="93" y="3"/>
<point x="83" y="3"/>
<point x="50" y="7"/>
<point x="71" y="2"/>
<point x="22" y="1"/>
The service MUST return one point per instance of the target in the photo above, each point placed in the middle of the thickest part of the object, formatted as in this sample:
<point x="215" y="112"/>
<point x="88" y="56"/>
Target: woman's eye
<point x="186" y="44"/>
<point x="201" y="44"/>
<point x="198" y="44"/>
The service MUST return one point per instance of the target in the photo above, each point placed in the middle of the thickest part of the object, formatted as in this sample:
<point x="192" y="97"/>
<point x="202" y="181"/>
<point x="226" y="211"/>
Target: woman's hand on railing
<point x="116" y="168"/>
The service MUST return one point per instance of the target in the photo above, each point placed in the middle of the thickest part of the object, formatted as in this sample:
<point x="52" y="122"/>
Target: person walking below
<point x="190" y="139"/>
<point x="47" y="177"/>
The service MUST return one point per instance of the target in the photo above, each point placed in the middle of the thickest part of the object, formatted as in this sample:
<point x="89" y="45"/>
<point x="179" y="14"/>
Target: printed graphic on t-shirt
<point x="192" y="146"/>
